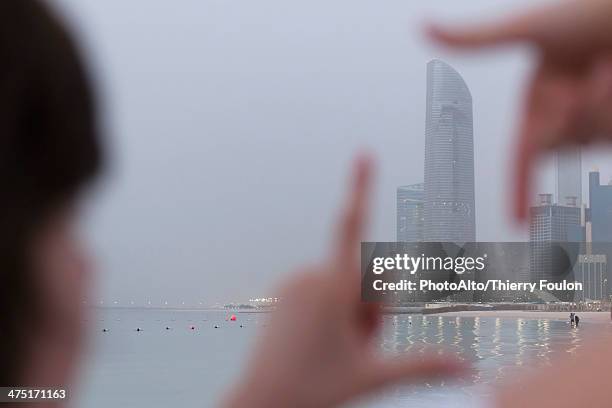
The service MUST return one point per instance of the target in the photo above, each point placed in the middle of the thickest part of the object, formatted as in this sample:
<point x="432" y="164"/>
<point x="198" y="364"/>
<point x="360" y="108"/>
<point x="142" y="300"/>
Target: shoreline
<point x="592" y="317"/>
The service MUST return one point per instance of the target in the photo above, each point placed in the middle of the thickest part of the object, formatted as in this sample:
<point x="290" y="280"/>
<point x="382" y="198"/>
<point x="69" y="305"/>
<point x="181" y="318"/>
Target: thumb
<point x="393" y="370"/>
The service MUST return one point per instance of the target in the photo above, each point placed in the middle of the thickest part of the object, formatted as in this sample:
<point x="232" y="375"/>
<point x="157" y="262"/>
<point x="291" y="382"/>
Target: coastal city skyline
<point x="442" y="208"/>
<point x="305" y="106"/>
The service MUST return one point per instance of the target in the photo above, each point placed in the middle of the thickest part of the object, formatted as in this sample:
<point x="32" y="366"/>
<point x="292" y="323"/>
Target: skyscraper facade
<point x="449" y="204"/>
<point x="553" y="222"/>
<point x="550" y="226"/>
<point x="600" y="220"/>
<point x="592" y="272"/>
<point x="600" y="204"/>
<point x="569" y="176"/>
<point x="410" y="213"/>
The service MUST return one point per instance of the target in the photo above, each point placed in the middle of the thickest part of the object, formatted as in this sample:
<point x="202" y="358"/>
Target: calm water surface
<point x="182" y="367"/>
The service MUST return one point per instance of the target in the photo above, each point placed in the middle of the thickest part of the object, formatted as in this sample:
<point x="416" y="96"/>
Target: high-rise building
<point x="554" y="222"/>
<point x="410" y="213"/>
<point x="599" y="220"/>
<point x="592" y="272"/>
<point x="550" y="226"/>
<point x="449" y="205"/>
<point x="569" y="176"/>
<point x="600" y="209"/>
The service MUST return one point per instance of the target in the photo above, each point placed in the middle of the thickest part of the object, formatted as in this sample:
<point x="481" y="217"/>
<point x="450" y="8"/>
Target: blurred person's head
<point x="49" y="150"/>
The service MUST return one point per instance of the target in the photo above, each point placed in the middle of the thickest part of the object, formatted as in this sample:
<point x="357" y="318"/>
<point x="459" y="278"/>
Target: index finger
<point x="543" y="126"/>
<point x="531" y="25"/>
<point x="533" y="125"/>
<point x="525" y="157"/>
<point x="354" y="217"/>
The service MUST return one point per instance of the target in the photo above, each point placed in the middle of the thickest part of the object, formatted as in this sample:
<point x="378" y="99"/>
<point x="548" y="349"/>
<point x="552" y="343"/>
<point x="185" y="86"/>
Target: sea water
<point x="179" y="358"/>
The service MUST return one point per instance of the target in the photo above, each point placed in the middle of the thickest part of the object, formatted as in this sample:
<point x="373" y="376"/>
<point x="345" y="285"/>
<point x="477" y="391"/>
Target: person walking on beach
<point x="576" y="320"/>
<point x="572" y="318"/>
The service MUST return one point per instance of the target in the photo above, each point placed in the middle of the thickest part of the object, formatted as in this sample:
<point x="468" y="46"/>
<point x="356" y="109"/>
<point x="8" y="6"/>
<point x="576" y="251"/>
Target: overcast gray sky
<point x="231" y="125"/>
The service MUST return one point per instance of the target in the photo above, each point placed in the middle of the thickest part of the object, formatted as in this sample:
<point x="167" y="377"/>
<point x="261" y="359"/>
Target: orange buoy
<point x="233" y="318"/>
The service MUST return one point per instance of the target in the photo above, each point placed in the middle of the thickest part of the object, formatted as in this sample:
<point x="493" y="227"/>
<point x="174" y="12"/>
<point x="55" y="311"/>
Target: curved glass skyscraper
<point x="449" y="208"/>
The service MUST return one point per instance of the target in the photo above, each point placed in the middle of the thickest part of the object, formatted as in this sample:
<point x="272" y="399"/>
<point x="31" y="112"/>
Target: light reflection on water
<point x="497" y="349"/>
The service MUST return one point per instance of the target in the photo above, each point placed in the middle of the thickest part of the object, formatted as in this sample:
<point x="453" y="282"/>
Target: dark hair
<point x="49" y="149"/>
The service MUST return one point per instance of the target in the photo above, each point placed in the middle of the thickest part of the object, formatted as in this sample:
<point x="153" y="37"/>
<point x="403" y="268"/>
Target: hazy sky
<point x="231" y="125"/>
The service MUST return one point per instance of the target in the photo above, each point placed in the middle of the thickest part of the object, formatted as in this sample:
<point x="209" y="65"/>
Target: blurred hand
<point x="317" y="350"/>
<point x="569" y="100"/>
<point x="576" y="380"/>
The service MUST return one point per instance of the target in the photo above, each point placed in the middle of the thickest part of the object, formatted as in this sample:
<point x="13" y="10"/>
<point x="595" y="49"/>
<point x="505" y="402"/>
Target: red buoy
<point x="233" y="318"/>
